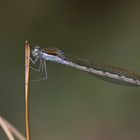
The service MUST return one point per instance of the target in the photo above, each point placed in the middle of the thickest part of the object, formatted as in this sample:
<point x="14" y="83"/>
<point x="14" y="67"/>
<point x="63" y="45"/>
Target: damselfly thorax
<point x="103" y="71"/>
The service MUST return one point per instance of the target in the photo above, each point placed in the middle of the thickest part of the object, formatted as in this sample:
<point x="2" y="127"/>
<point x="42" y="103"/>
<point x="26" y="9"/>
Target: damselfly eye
<point x="35" y="51"/>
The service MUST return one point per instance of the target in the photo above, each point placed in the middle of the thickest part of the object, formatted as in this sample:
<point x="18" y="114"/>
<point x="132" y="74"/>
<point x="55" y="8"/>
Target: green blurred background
<point x="71" y="104"/>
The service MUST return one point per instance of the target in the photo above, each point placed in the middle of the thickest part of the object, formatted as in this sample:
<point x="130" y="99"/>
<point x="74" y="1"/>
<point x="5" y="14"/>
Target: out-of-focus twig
<point x="6" y="130"/>
<point x="10" y="130"/>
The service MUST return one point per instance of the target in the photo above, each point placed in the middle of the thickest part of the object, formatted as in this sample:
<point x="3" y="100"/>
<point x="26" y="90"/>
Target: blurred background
<point x="71" y="104"/>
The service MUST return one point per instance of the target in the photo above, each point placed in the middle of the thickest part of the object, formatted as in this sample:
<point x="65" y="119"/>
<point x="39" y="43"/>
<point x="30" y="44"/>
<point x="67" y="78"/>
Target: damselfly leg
<point x="36" y="69"/>
<point x="42" y="68"/>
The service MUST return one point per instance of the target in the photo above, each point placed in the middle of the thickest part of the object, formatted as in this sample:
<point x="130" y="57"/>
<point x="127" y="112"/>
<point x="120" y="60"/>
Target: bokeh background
<point x="71" y="104"/>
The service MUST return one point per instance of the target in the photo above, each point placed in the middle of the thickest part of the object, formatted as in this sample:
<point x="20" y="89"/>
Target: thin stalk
<point x="27" y="72"/>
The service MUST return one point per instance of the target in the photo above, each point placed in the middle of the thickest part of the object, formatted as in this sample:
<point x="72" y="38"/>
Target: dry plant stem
<point x="27" y="72"/>
<point x="6" y="129"/>
<point x="11" y="129"/>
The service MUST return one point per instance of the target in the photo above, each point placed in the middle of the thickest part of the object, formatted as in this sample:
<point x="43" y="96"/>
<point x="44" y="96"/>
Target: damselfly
<point x="103" y="71"/>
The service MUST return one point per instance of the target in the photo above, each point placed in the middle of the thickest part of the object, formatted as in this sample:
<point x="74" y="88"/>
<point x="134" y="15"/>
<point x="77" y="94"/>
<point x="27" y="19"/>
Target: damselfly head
<point x="36" y="51"/>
